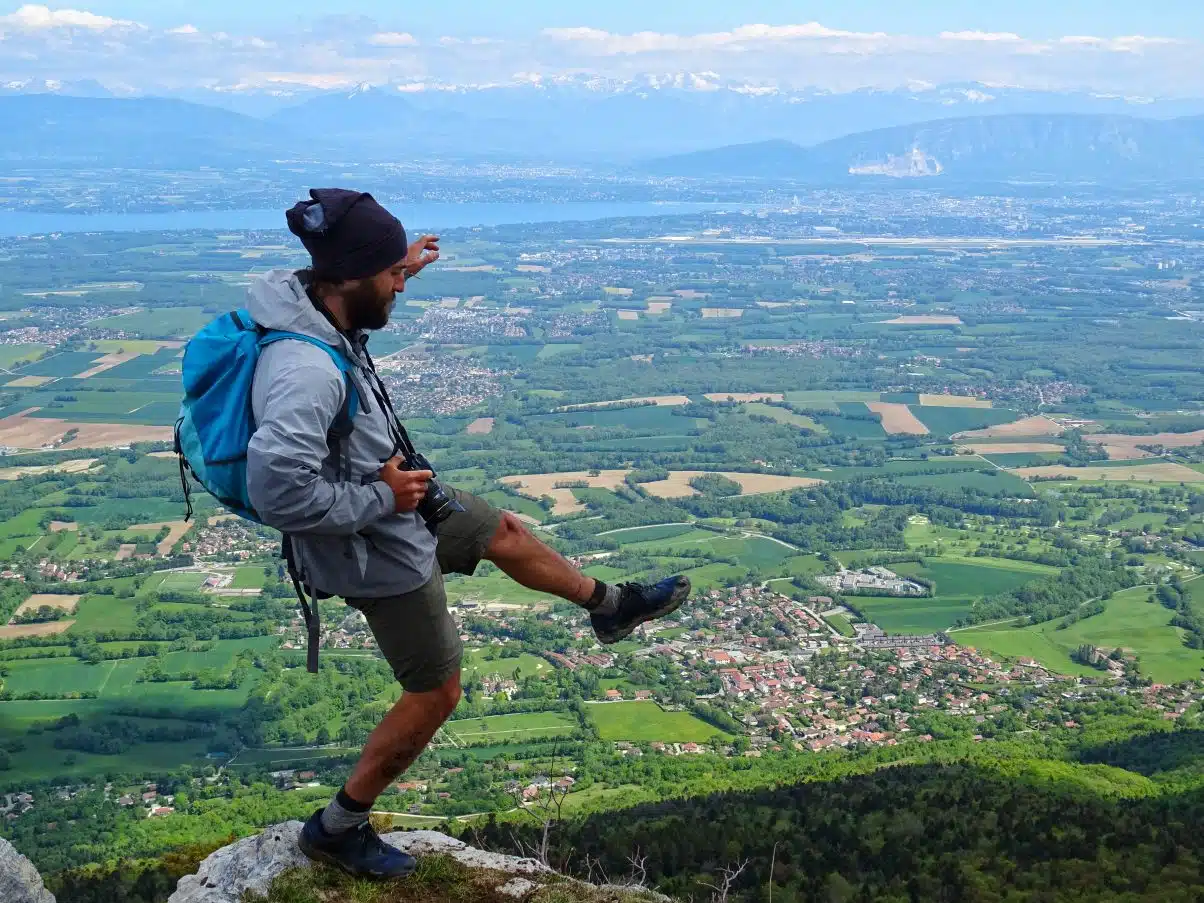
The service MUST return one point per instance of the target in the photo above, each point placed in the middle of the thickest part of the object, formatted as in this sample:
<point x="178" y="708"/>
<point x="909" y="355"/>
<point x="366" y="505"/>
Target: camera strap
<point x="401" y="439"/>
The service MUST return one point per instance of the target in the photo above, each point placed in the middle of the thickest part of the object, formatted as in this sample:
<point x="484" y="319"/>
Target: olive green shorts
<point x="415" y="631"/>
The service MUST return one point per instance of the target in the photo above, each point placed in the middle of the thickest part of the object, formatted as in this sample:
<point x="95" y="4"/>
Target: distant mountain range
<point x="1038" y="147"/>
<point x="815" y="136"/>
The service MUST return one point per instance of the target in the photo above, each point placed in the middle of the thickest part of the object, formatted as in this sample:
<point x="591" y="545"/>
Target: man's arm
<point x="299" y="394"/>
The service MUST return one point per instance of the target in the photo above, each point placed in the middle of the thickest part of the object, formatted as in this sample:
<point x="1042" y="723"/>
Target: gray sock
<point x="609" y="603"/>
<point x="342" y="814"/>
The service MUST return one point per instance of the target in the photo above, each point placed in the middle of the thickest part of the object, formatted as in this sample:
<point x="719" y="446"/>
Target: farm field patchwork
<point x="538" y="485"/>
<point x="898" y="419"/>
<point x="1121" y="447"/>
<point x="1024" y="428"/>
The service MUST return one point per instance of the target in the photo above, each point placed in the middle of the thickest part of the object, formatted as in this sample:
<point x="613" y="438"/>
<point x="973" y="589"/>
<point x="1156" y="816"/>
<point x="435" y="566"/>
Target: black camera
<point x="437" y="505"/>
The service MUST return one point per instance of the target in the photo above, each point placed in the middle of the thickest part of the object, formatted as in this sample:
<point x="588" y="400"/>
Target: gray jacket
<point x="347" y="539"/>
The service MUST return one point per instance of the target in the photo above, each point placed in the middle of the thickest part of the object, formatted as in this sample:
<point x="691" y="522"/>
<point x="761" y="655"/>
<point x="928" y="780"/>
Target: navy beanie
<point x="347" y="233"/>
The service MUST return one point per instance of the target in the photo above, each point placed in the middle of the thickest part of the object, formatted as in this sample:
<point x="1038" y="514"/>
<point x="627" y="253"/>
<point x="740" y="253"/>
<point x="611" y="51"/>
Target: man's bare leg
<point x="400" y="738"/>
<point x="535" y="564"/>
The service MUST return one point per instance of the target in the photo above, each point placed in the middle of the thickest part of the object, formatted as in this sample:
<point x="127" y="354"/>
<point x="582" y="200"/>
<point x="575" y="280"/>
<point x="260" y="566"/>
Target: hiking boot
<point x="359" y="851"/>
<point x="640" y="602"/>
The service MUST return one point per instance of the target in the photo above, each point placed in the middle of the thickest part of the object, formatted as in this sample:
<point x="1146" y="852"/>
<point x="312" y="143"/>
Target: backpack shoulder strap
<point x="344" y="421"/>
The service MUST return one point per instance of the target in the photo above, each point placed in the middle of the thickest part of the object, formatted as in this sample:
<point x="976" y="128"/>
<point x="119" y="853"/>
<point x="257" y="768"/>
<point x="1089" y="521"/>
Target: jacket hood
<point x="277" y="300"/>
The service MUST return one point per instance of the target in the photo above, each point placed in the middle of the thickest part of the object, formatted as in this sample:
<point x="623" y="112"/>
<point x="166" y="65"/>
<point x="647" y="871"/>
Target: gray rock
<point x="249" y="864"/>
<point x="19" y="880"/>
<point x="252" y="863"/>
<point x="517" y="888"/>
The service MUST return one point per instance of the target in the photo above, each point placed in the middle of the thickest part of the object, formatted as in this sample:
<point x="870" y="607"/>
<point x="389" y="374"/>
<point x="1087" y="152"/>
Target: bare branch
<point x="730" y="875"/>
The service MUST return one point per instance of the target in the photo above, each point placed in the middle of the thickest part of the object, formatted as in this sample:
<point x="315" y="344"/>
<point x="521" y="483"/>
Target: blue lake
<point x="415" y="216"/>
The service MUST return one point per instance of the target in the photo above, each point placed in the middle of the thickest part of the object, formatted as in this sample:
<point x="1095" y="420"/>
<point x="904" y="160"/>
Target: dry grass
<point x="713" y="313"/>
<point x="1165" y="472"/>
<point x="678" y="484"/>
<point x="23" y="431"/>
<point x="58" y="526"/>
<point x="1008" y="448"/>
<point x="954" y="401"/>
<point x="537" y="485"/>
<point x="480" y="427"/>
<point x="28" y="382"/>
<point x="532" y="268"/>
<point x="1124" y="448"/>
<point x="745" y="396"/>
<point x="629" y="315"/>
<point x="897" y="419"/>
<point x="658" y="307"/>
<point x="125" y="551"/>
<point x="53" y="600"/>
<point x="176" y="528"/>
<point x="773" y="305"/>
<point x="925" y="320"/>
<point x="50" y="628"/>
<point x="108" y="362"/>
<point x="690" y="293"/>
<point x="1017" y="429"/>
<point x="79" y="465"/>
<point x="663" y="400"/>
<point x="620" y="292"/>
<point x="162" y="454"/>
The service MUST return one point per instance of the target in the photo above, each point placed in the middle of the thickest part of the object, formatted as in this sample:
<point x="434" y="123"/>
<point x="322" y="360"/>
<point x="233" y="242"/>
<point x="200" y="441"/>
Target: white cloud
<point x="995" y="36"/>
<point x="184" y="29"/>
<point x="650" y="41"/>
<point x="1133" y="43"/>
<point x="393" y="39"/>
<point x="33" y="17"/>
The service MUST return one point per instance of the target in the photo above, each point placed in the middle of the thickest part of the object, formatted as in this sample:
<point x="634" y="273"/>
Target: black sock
<point x="604" y="600"/>
<point x="344" y="813"/>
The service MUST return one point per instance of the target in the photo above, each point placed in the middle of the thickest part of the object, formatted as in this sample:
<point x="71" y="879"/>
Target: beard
<point x="366" y="307"/>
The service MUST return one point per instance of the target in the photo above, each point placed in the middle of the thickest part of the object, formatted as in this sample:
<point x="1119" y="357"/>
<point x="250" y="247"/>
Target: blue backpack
<point x="216" y="421"/>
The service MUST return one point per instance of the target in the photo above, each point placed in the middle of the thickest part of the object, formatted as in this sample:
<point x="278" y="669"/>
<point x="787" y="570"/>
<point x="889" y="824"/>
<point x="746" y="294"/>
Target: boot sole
<point x="668" y="608"/>
<point x="316" y="855"/>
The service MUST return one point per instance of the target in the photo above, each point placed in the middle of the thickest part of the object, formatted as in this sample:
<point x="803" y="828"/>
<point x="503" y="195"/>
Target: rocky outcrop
<point x="19" y="880"/>
<point x="252" y="864"/>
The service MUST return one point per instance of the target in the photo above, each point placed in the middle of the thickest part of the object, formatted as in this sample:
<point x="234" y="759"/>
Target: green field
<point x="65" y="363"/>
<point x="11" y="355"/>
<point x="821" y="398"/>
<point x="631" y="535"/>
<point x="548" y="351"/>
<point x="159" y="323"/>
<point x="947" y="421"/>
<point x="781" y="415"/>
<point x="641" y="722"/>
<point x="958" y="585"/>
<point x="517" y="503"/>
<point x="475" y="663"/>
<point x="852" y="427"/>
<point x="517" y="728"/>
<point x="646" y="419"/>
<point x="841" y="624"/>
<point x="1129" y="621"/>
<point x="248" y="578"/>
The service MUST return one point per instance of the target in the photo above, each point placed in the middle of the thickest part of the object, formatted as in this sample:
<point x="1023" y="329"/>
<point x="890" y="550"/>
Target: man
<point x="348" y="503"/>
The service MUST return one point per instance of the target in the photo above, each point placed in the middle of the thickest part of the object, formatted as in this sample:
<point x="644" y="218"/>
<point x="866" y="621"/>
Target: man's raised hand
<point x="422" y="252"/>
<point x="409" y="486"/>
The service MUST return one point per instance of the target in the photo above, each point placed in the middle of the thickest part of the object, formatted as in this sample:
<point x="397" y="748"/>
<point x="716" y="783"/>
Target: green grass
<point x="527" y="664"/>
<point x="847" y="427"/>
<point x="958" y="585"/>
<point x="1128" y="621"/>
<point x="11" y="355"/>
<point x="781" y="415"/>
<point x="104" y="612"/>
<point x="518" y="728"/>
<point x="516" y="503"/>
<point x="65" y="363"/>
<point x="821" y="398"/>
<point x="630" y="535"/>
<point x="842" y="624"/>
<point x="1023" y="459"/>
<point x="963" y="578"/>
<point x="947" y="421"/>
<point x="648" y="722"/>
<point x="659" y="419"/>
<point x="715" y="576"/>
<point x="548" y="351"/>
<point x="161" y="322"/>
<point x="248" y="578"/>
<point x="494" y="587"/>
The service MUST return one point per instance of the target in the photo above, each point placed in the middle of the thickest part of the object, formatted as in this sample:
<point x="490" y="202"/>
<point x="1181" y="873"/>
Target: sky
<point x="1130" y="49"/>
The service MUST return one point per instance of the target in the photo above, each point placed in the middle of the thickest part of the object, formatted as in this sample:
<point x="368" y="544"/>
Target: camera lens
<point x="437" y="505"/>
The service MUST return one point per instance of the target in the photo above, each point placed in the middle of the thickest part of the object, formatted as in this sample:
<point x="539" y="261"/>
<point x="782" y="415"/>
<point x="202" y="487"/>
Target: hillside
<point x="1023" y="146"/>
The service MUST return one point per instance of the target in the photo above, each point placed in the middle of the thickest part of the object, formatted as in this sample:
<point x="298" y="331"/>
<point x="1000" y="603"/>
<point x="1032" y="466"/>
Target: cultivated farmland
<point x="678" y="483"/>
<point x="1164" y="472"/>
<point x="898" y="419"/>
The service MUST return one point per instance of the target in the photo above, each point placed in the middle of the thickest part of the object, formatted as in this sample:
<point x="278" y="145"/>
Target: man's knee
<point x="507" y="538"/>
<point x="444" y="698"/>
